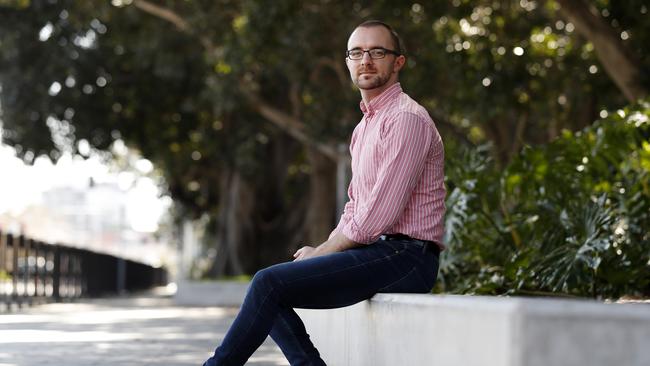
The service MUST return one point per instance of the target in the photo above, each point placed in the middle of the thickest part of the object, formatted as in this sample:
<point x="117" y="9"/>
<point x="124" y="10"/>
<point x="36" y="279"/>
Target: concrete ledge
<point x="447" y="330"/>
<point x="217" y="293"/>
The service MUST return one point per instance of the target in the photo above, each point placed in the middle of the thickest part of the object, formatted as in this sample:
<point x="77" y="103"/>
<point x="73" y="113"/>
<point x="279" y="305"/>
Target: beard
<point x="371" y="81"/>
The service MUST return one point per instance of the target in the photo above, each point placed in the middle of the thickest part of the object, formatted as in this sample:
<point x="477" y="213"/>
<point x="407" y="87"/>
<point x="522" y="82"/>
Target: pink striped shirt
<point x="397" y="172"/>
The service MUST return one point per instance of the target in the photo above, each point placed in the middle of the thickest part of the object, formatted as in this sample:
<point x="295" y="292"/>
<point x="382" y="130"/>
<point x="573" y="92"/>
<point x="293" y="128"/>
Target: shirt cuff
<point x="353" y="232"/>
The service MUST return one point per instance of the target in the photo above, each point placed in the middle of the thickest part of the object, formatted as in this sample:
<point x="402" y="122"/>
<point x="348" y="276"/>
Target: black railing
<point x="32" y="271"/>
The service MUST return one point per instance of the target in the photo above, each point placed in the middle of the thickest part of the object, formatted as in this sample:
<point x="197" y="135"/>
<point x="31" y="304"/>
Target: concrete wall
<point x="448" y="330"/>
<point x="413" y="330"/>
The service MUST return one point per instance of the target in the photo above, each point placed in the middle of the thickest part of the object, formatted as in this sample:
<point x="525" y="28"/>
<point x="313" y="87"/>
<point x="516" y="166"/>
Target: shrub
<point x="568" y="218"/>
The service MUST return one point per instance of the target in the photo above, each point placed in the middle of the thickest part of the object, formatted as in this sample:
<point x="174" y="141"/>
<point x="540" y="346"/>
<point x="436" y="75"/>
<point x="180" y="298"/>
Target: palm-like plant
<point x="568" y="218"/>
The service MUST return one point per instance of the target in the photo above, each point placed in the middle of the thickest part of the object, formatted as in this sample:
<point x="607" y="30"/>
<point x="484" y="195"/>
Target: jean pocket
<point x="395" y="245"/>
<point x="411" y="282"/>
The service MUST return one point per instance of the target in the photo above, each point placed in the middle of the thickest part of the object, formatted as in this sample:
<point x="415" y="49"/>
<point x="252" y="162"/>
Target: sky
<point x="22" y="185"/>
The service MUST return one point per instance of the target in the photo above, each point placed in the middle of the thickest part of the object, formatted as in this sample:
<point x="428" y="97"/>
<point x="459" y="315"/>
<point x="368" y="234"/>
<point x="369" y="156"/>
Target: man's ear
<point x="399" y="62"/>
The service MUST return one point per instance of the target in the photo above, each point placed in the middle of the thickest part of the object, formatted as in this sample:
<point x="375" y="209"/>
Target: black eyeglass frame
<point x="347" y="53"/>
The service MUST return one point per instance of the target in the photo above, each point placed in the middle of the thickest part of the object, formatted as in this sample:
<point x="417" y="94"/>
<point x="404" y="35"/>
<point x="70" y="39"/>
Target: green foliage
<point x="504" y="74"/>
<point x="135" y="79"/>
<point x="571" y="217"/>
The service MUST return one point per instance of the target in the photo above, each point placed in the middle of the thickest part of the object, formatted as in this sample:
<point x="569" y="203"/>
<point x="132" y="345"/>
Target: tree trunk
<point x="322" y="197"/>
<point x="499" y="131"/>
<point x="233" y="224"/>
<point x="619" y="62"/>
<point x="259" y="223"/>
<point x="280" y="203"/>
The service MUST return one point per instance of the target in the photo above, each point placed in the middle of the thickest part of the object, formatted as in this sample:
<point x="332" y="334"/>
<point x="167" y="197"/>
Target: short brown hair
<point x="397" y="41"/>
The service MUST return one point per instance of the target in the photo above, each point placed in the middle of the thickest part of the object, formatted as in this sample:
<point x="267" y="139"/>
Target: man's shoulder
<point x="406" y="108"/>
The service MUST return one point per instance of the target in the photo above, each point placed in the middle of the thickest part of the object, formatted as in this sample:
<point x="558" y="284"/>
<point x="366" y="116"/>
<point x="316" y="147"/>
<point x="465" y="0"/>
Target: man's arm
<point x="348" y="211"/>
<point x="405" y="150"/>
<point x="337" y="243"/>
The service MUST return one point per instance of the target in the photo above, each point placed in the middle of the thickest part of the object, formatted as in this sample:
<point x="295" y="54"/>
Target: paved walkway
<point x="142" y="330"/>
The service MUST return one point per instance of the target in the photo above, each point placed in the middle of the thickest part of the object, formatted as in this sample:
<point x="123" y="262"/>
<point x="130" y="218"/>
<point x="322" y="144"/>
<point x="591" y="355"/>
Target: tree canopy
<point x="243" y="105"/>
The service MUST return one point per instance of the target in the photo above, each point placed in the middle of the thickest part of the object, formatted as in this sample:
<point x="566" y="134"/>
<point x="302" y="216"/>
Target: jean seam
<point x="257" y="313"/>
<point x="294" y="337"/>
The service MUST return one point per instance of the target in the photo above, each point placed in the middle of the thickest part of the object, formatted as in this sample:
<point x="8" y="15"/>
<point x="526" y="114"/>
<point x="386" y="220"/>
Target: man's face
<point x="368" y="73"/>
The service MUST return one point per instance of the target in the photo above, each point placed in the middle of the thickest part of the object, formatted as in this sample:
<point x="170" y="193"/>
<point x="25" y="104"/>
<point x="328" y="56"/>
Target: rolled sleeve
<point x="348" y="212"/>
<point x="356" y="233"/>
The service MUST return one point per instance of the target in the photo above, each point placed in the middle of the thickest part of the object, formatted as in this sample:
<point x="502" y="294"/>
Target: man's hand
<point x="336" y="243"/>
<point x="304" y="253"/>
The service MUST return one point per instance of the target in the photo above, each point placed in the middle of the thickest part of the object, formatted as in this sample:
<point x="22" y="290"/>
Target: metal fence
<point x="32" y="271"/>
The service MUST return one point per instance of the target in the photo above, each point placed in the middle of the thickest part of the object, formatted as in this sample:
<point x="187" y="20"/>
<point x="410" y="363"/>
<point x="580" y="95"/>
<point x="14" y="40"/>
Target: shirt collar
<point x="382" y="100"/>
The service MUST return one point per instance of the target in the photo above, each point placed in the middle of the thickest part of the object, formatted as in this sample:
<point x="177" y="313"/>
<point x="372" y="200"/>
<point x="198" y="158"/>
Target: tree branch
<point x="291" y="125"/>
<point x="619" y="62"/>
<point x="163" y="13"/>
<point x="177" y="20"/>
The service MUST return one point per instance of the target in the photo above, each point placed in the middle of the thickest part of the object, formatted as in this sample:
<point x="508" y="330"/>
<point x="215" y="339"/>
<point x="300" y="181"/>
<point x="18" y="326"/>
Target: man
<point x="389" y="236"/>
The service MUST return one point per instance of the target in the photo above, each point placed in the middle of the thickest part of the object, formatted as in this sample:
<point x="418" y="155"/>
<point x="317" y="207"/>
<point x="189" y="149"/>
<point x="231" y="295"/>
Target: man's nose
<point x="366" y="59"/>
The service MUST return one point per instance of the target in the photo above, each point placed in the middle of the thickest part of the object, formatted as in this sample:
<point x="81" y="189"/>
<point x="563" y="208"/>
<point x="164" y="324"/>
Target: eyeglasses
<point x="375" y="53"/>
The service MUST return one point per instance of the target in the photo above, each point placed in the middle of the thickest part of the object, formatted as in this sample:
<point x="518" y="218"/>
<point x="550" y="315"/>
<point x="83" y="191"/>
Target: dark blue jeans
<point x="325" y="282"/>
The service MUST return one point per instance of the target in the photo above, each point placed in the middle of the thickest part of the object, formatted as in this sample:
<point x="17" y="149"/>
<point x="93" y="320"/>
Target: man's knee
<point x="266" y="278"/>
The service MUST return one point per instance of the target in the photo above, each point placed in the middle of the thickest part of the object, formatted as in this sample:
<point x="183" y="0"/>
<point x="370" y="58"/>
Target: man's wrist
<point x="336" y="243"/>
